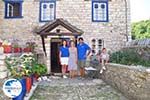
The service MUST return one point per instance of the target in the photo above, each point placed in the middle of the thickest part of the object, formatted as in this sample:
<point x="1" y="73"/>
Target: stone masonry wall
<point x="76" y="12"/>
<point x="132" y="81"/>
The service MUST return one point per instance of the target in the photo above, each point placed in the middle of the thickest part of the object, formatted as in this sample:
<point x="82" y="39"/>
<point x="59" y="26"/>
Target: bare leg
<point x="82" y="72"/>
<point x="70" y="73"/>
<point x="73" y="73"/>
<point x="64" y="69"/>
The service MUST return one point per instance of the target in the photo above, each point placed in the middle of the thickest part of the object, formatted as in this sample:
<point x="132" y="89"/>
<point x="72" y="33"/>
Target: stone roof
<point x="45" y="29"/>
<point x="142" y="42"/>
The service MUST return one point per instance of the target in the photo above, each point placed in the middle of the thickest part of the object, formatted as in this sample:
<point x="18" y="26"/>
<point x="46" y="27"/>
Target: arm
<point x="89" y="50"/>
<point x="76" y="55"/>
<point x="107" y="58"/>
<point x="60" y="55"/>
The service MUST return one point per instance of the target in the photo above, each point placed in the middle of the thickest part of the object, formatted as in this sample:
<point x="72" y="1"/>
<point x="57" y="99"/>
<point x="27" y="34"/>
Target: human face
<point x="104" y="51"/>
<point x="80" y="41"/>
<point x="72" y="44"/>
<point x="64" y="43"/>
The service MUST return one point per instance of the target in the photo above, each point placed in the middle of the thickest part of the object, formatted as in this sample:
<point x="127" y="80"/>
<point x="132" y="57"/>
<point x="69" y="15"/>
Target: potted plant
<point x="16" y="48"/>
<point x="39" y="70"/>
<point x="30" y="46"/>
<point x="7" y="46"/>
<point x="21" y="69"/>
<point x="17" y="72"/>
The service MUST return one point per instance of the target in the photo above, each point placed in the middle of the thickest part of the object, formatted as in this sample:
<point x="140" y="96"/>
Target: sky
<point x="140" y="10"/>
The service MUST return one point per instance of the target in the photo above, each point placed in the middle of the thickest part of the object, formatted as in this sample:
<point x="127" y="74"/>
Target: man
<point x="83" y="52"/>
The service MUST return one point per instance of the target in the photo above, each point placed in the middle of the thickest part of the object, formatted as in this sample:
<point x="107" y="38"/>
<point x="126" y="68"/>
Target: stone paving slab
<point x="76" y="89"/>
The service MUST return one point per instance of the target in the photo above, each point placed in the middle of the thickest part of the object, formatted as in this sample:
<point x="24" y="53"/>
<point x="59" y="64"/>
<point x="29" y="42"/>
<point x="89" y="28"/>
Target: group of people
<point x="74" y="57"/>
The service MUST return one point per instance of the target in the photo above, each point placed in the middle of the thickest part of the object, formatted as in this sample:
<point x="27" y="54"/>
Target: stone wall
<point x="142" y="47"/>
<point x="3" y="68"/>
<point x="76" y="12"/>
<point x="132" y="81"/>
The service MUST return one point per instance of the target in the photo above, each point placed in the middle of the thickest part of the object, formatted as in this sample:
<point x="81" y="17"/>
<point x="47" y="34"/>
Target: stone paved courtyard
<point x="76" y="89"/>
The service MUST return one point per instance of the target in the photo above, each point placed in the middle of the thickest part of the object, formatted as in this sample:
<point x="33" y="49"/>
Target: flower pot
<point x="27" y="49"/>
<point x="28" y="84"/>
<point x="36" y="76"/>
<point x="17" y="50"/>
<point x="23" y="92"/>
<point x="7" y="48"/>
<point x="32" y="79"/>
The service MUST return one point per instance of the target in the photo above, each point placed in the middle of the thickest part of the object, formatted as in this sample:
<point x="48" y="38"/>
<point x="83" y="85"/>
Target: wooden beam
<point x="43" y="44"/>
<point x="60" y="34"/>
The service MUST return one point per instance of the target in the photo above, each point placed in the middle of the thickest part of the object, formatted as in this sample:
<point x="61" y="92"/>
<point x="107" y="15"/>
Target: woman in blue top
<point x="64" y="55"/>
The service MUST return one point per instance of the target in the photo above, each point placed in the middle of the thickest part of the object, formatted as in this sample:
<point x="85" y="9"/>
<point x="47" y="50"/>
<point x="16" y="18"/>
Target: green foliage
<point x="25" y="65"/>
<point x="141" y="30"/>
<point x="128" y="57"/>
<point x="39" y="69"/>
<point x="20" y="66"/>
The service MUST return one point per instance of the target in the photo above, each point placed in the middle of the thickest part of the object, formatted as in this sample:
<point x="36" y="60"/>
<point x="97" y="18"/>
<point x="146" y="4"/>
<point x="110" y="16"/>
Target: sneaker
<point x="64" y="76"/>
<point x="101" y="71"/>
<point x="104" y="68"/>
<point x="80" y="78"/>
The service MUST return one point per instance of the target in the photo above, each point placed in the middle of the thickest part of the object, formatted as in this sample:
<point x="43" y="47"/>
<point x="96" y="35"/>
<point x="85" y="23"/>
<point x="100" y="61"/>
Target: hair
<point x="80" y="39"/>
<point x="71" y="41"/>
<point x="63" y="41"/>
<point x="103" y="49"/>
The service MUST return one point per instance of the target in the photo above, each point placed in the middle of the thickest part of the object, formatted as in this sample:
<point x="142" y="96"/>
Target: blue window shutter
<point x="47" y="10"/>
<point x="100" y="10"/>
<point x="13" y="8"/>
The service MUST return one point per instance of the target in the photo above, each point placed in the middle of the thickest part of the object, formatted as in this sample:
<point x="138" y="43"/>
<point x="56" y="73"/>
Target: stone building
<point x="102" y="23"/>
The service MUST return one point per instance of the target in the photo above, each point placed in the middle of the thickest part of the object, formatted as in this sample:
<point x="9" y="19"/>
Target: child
<point x="104" y="57"/>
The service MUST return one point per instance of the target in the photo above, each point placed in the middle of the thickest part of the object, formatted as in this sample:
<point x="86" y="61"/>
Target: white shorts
<point x="64" y="60"/>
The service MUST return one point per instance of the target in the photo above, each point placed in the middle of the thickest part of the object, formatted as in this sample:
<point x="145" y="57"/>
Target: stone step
<point x="3" y="68"/>
<point x="3" y="74"/>
<point x="2" y="62"/>
<point x="2" y="56"/>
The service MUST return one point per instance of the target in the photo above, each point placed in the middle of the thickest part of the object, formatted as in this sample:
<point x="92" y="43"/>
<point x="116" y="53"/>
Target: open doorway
<point x="55" y="63"/>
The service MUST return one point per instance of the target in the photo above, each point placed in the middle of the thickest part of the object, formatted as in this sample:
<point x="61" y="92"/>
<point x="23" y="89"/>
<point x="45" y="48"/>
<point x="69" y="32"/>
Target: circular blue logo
<point x="12" y="88"/>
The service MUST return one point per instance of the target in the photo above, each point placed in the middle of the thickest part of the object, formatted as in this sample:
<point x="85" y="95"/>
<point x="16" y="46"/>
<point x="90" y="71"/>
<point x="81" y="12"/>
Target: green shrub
<point x="39" y="69"/>
<point x="128" y="57"/>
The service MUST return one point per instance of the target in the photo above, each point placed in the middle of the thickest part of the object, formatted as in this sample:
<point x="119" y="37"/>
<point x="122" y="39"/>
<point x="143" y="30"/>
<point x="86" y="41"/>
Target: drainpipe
<point x="126" y="19"/>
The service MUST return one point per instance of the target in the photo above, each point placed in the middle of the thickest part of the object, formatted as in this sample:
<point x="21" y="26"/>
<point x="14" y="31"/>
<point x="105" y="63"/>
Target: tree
<point x="141" y="30"/>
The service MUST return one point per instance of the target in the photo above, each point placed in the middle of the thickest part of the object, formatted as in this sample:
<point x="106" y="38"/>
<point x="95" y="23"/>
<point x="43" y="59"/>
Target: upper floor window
<point x="13" y="8"/>
<point x="47" y="10"/>
<point x="100" y="10"/>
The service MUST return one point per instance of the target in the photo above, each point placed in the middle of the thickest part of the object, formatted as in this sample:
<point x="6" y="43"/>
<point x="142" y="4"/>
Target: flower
<point x="20" y="66"/>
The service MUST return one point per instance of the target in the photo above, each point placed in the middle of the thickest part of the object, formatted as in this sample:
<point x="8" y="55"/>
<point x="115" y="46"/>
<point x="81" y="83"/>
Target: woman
<point x="64" y="54"/>
<point x="72" y="64"/>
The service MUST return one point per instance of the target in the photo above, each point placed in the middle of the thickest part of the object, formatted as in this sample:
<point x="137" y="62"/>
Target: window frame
<point x="107" y="13"/>
<point x="6" y="9"/>
<point x="40" y="16"/>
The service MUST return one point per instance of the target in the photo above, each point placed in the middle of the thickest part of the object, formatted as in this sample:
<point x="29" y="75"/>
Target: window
<point x="100" y="11"/>
<point x="47" y="11"/>
<point x="13" y="9"/>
